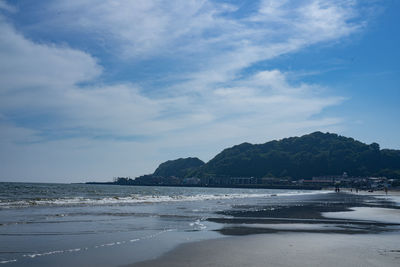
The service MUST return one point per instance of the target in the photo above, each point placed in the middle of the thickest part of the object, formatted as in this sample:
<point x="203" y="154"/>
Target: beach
<point x="347" y="230"/>
<point x="108" y="225"/>
<point x="295" y="249"/>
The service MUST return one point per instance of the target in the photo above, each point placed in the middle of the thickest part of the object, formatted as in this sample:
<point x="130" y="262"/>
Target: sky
<point x="93" y="89"/>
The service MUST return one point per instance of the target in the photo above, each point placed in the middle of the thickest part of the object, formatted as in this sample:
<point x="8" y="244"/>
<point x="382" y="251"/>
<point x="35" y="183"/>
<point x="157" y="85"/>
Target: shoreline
<point x="250" y="186"/>
<point x="295" y="249"/>
<point x="338" y="236"/>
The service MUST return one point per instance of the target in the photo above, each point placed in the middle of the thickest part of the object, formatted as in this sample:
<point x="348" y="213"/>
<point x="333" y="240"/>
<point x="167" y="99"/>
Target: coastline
<point x="116" y="226"/>
<point x="249" y="186"/>
<point x="295" y="249"/>
<point x="338" y="236"/>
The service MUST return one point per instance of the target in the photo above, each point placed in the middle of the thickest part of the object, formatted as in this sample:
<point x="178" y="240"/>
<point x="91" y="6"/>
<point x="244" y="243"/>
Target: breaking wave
<point x="139" y="199"/>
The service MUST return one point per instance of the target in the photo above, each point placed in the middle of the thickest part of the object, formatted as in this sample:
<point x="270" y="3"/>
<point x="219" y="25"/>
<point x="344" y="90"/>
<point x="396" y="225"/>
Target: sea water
<point x="111" y="225"/>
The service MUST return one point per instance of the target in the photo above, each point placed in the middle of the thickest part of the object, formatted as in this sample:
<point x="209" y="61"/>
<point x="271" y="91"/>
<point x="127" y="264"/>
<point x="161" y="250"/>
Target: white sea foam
<point x="138" y="199"/>
<point x="197" y="225"/>
<point x="116" y="243"/>
<point x="7" y="261"/>
<point x="34" y="255"/>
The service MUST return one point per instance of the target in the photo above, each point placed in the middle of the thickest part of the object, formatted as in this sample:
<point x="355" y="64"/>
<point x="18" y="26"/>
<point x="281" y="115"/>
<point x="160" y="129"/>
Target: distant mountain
<point x="180" y="167"/>
<point x="315" y="154"/>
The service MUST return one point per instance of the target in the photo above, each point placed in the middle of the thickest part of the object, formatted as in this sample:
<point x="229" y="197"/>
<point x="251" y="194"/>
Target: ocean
<point x="111" y="225"/>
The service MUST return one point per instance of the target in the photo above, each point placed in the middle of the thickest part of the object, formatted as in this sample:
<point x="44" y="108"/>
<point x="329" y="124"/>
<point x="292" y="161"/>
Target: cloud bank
<point x="56" y="110"/>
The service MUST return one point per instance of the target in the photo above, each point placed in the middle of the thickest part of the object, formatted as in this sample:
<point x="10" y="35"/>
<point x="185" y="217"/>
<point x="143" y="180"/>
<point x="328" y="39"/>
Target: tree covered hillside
<point x="179" y="167"/>
<point x="315" y="154"/>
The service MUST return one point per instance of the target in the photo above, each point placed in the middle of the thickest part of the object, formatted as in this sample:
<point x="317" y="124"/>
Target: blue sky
<point x="94" y="89"/>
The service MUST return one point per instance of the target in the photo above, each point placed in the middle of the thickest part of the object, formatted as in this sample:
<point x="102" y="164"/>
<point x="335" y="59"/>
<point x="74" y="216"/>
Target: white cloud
<point x="44" y="104"/>
<point x="139" y="28"/>
<point x="147" y="28"/>
<point x="24" y="63"/>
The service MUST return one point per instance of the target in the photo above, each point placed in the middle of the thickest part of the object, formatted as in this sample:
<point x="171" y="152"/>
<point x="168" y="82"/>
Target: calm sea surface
<point x="109" y="225"/>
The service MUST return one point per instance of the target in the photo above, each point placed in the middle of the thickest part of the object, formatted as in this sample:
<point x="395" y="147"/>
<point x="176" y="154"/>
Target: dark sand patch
<point x="238" y="221"/>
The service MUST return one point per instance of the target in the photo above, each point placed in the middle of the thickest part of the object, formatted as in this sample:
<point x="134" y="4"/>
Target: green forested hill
<point x="310" y="155"/>
<point x="179" y="167"/>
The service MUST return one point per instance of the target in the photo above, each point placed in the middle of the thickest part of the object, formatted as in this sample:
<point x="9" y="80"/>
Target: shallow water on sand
<point x="107" y="225"/>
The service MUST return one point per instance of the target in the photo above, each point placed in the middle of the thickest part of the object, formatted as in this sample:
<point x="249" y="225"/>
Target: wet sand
<point x="334" y="230"/>
<point x="296" y="249"/>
